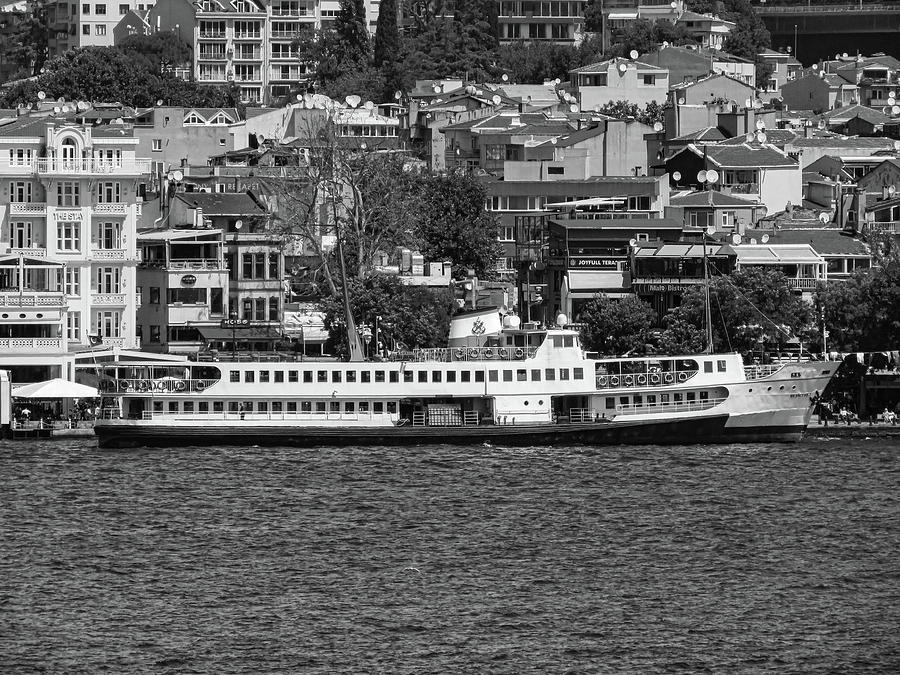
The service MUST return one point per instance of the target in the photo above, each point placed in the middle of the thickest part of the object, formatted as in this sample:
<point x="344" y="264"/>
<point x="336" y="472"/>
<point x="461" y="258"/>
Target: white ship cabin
<point x="490" y="374"/>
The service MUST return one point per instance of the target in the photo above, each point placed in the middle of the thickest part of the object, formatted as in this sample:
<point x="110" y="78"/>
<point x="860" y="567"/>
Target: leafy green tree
<point x="535" y="62"/>
<point x="454" y="225"/>
<point x="681" y="335"/>
<point x="749" y="308"/>
<point x="387" y="35"/>
<point x="414" y="316"/>
<point x="593" y="16"/>
<point x="612" y="327"/>
<point x="158" y="51"/>
<point x="749" y="36"/>
<point x="643" y="35"/>
<point x="350" y="26"/>
<point x="651" y="113"/>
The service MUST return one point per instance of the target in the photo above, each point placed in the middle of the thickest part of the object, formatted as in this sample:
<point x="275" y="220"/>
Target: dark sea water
<point x="718" y="559"/>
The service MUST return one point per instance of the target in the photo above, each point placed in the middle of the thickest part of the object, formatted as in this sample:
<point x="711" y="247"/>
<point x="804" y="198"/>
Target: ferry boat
<point x="497" y="382"/>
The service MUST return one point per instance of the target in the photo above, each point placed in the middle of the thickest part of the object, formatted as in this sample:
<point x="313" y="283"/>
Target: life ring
<point x="503" y="352"/>
<point x="629" y="379"/>
<point x="682" y="377"/>
<point x="519" y="353"/>
<point x="143" y="386"/>
<point x="669" y="378"/>
<point x="602" y="380"/>
<point x="159" y="385"/>
<point x="614" y="380"/>
<point x="125" y="385"/>
<point x="180" y="385"/>
<point x="487" y="353"/>
<point x="460" y="353"/>
<point x="654" y="378"/>
<point x="642" y="379"/>
<point x="199" y="386"/>
<point x="473" y="353"/>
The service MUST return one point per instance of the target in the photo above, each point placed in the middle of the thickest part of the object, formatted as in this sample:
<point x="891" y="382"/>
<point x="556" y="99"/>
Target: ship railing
<point x="669" y="406"/>
<point x="447" y="354"/>
<point x="649" y="379"/>
<point x="230" y="415"/>
<point x="155" y="386"/>
<point x="761" y="371"/>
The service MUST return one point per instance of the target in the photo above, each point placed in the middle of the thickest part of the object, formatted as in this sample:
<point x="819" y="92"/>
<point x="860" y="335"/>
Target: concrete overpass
<point x="820" y="31"/>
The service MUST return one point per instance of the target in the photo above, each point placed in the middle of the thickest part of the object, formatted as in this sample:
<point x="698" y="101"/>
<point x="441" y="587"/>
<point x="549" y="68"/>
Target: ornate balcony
<point x="109" y="254"/>
<point x="108" y="299"/>
<point x="29" y="252"/>
<point x="61" y="166"/>
<point x="28" y="298"/>
<point x="43" y="345"/>
<point x="111" y="208"/>
<point x="27" y="209"/>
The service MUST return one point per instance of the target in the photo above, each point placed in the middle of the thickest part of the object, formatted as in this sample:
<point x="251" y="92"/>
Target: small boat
<point x="497" y="382"/>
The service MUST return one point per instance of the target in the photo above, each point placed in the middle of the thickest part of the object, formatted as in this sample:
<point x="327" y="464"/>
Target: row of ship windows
<point x="278" y="407"/>
<point x="422" y="376"/>
<point x="640" y="400"/>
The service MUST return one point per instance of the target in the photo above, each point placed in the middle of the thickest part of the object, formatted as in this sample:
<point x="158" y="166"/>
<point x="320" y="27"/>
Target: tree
<point x="750" y="308"/>
<point x="27" y="46"/>
<point x="612" y="327"/>
<point x="350" y="26"/>
<point x="454" y="224"/>
<point x="387" y="35"/>
<point x="414" y="316"/>
<point x="653" y="112"/>
<point x="158" y="51"/>
<point x="534" y="62"/>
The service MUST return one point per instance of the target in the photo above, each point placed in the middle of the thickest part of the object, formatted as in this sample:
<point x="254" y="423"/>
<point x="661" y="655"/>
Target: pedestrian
<point x="241" y="411"/>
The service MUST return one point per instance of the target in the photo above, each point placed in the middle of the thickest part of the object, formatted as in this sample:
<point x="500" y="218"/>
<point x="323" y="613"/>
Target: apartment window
<point x="273" y="265"/>
<point x="20" y="156"/>
<point x="85" y="8"/>
<point x="250" y="376"/>
<point x="273" y="308"/>
<point x="73" y="326"/>
<point x="154" y="295"/>
<point x="108" y="324"/>
<point x="108" y="193"/>
<point x="508" y="233"/>
<point x="728" y="219"/>
<point x="260" y="313"/>
<point x="100" y="9"/>
<point x="68" y="236"/>
<point x="110" y="235"/>
<point x="73" y="281"/>
<point x="20" y="233"/>
<point x="100" y="29"/>
<point x="123" y="10"/>
<point x="68" y="193"/>
<point x="650" y="80"/>
<point x="108" y="280"/>
<point x="235" y="376"/>
<point x="86" y="29"/>
<point x="156" y="144"/>
<point x="154" y="334"/>
<point x="20" y="191"/>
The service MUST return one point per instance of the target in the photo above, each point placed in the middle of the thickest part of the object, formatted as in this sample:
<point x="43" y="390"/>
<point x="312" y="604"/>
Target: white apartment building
<point x="68" y="252"/>
<point x="556" y="21"/>
<point x="88" y="24"/>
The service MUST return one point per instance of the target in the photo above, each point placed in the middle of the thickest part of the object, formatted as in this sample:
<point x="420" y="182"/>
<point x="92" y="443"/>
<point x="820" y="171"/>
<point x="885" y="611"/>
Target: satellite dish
<point x="886" y="110"/>
<point x="681" y="101"/>
<point x="238" y="224"/>
<point x="673" y="5"/>
<point x="757" y="104"/>
<point x="299" y="97"/>
<point x="891" y="190"/>
<point x="368" y="105"/>
<point x="504" y="77"/>
<point x="765" y="239"/>
<point x="895" y="110"/>
<point x="815" y="66"/>
<point x="701" y="176"/>
<point x="735" y="239"/>
<point x="751" y="138"/>
<point x="159" y="102"/>
<point x="56" y="109"/>
<point x="573" y="108"/>
<point x="633" y="54"/>
<point x="892" y="93"/>
<point x="676" y="176"/>
<point x="623" y="67"/>
<point x="42" y="95"/>
<point x="824" y="217"/>
<point x="710" y="230"/>
<point x="632" y="242"/>
<point x="897" y="145"/>
<point x="821" y="124"/>
<point x="398" y="95"/>
<point x="657" y="127"/>
<point x="753" y="242"/>
<point x="665" y="44"/>
<point x="177" y="175"/>
<point x="496" y="99"/>
<point x="761" y="137"/>
<point x="712" y="176"/>
<point x="436" y="88"/>
<point x="892" y="100"/>
<point x="353" y="100"/>
<point x="760" y="125"/>
<point x="554" y="141"/>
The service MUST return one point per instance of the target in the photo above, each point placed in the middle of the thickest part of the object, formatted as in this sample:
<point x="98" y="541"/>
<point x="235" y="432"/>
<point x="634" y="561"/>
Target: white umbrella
<point x="55" y="388"/>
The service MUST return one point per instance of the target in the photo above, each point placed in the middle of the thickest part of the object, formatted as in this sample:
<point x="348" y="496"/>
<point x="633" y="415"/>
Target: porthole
<point x="22" y="316"/>
<point x="5" y="316"/>
<point x="768" y="388"/>
<point x="541" y="402"/>
<point x="794" y="387"/>
<point x="750" y="390"/>
<point x="781" y="387"/>
<point x="40" y="316"/>
<point x="526" y="402"/>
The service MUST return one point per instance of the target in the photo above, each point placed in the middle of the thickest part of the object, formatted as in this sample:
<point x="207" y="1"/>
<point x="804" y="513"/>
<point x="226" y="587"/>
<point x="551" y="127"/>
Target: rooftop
<point x="222" y="203"/>
<point x="712" y="198"/>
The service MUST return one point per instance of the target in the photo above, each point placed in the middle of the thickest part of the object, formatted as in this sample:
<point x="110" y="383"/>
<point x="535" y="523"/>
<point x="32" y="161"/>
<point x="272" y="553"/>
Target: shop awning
<point x="596" y="281"/>
<point x="55" y="388"/>
<point x="621" y="16"/>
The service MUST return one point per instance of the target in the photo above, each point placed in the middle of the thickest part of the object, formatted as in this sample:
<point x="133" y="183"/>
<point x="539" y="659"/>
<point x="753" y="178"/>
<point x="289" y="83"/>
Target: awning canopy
<point x="596" y="281"/>
<point x="613" y="16"/>
<point x="777" y="254"/>
<point x="240" y="334"/>
<point x="589" y="201"/>
<point x="172" y="235"/>
<point x="55" y="388"/>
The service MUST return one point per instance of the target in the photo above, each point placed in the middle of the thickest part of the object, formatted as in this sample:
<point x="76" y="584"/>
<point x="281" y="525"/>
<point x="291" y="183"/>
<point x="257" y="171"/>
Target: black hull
<point x="677" y="432"/>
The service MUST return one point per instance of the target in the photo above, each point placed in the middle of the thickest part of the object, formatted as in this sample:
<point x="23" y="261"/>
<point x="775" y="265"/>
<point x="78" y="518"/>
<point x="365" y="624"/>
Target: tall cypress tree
<point x="387" y="35"/>
<point x="350" y="26"/>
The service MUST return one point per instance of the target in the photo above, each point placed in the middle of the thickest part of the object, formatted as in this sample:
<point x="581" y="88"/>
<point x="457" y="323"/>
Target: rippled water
<point x="477" y="560"/>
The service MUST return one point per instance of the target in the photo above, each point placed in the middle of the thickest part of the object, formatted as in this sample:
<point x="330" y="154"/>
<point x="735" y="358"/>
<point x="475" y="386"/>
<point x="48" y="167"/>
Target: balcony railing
<point x="212" y="34"/>
<point x="212" y="56"/>
<point x="27" y="209"/>
<point x="41" y="345"/>
<point x="804" y="284"/>
<point x="743" y="188"/>
<point x="28" y="298"/>
<point x="58" y="165"/>
<point x="247" y="35"/>
<point x="287" y="34"/>
<point x="198" y="264"/>
<point x="892" y="226"/>
<point x="109" y="254"/>
<point x="108" y="299"/>
<point x="111" y="208"/>
<point x="30" y="252"/>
